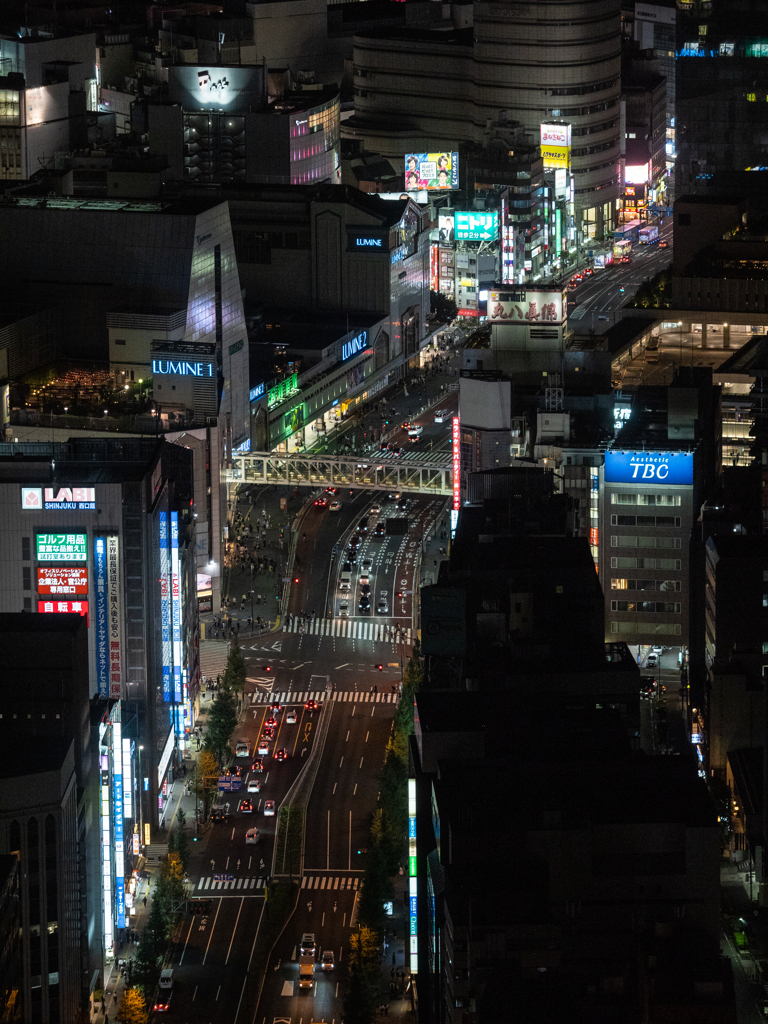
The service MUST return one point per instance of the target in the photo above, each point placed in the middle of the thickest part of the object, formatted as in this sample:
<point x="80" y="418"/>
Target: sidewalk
<point x="394" y="988"/>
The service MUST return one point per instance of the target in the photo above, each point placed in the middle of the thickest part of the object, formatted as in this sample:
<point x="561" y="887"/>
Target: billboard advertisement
<point x="649" y="467"/>
<point x="165" y="607"/>
<point x="61" y="547"/>
<point x="525" y="306"/>
<point x="215" y="88"/>
<point x="477" y="227"/>
<point x="65" y="607"/>
<point x="555" y="142"/>
<point x="113" y="618"/>
<point x="431" y="171"/>
<point x="102" y="649"/>
<point x="176" y="607"/>
<point x="456" y="436"/>
<point x="445" y="227"/>
<point x="55" y="582"/>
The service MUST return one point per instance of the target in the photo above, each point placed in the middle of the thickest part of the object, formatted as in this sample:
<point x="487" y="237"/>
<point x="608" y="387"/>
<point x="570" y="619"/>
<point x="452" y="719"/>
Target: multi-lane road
<point x="363" y="660"/>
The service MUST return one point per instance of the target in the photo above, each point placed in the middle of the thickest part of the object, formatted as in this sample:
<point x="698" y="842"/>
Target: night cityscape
<point x="383" y="511"/>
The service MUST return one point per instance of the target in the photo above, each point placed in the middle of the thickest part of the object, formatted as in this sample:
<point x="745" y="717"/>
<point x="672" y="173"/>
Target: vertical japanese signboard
<point x="102" y="648"/>
<point x="413" y="929"/>
<point x="456" y="463"/>
<point x="117" y="810"/>
<point x="165" y="606"/>
<point x="113" y="618"/>
<point x="176" y="607"/>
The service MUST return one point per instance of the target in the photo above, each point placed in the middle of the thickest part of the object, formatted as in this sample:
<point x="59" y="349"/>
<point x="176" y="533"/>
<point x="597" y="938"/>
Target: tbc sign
<point x="649" y="467"/>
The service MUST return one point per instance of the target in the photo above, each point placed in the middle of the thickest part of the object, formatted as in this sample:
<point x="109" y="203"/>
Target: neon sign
<point x="352" y="348"/>
<point x="182" y="368"/>
<point x="649" y="467"/>
<point x="456" y="464"/>
<point x="59" y="498"/>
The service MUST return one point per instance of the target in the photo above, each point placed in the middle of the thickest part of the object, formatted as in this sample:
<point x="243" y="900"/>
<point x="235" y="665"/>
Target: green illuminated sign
<point x="558" y="232"/>
<point x="62" y="547"/>
<point x="283" y="390"/>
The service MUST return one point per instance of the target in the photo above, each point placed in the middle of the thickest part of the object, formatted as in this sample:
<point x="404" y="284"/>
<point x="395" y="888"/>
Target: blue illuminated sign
<point x="176" y="607"/>
<point x="181" y="368"/>
<point x="257" y="392"/>
<point x="351" y="348"/>
<point x="373" y="243"/>
<point x="102" y="647"/>
<point x="649" y="467"/>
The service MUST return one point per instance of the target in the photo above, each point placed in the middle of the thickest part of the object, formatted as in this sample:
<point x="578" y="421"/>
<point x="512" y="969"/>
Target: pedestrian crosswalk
<point x="351" y="628"/>
<point x="210" y="883"/>
<point x="435" y="457"/>
<point x="289" y="697"/>
<point x="336" y="882"/>
<point x="330" y="882"/>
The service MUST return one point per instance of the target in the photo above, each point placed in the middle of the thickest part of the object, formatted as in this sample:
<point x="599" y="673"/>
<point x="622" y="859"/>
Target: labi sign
<point x="649" y="468"/>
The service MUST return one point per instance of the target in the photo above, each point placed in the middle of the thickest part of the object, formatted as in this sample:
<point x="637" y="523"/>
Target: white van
<point x="345" y="582"/>
<point x="166" y="978"/>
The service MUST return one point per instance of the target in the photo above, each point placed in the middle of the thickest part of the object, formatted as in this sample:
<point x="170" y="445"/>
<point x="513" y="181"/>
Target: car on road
<point x="335" y="506"/>
<point x="365" y="589"/>
<point x="311" y="705"/>
<point x="275" y="706"/>
<point x="367" y="563"/>
<point x="395" y="449"/>
<point x="307" y="946"/>
<point x="354" y="540"/>
<point x="364" y="604"/>
<point x="352" y="557"/>
<point x="254" y="785"/>
<point x="394" y="496"/>
<point x="270" y="723"/>
<point x="281" y="754"/>
<point x="382" y="606"/>
<point x="415" y="432"/>
<point x="258" y="765"/>
<point x="246" y="806"/>
<point x="344" y="610"/>
<point x="441" y="415"/>
<point x="290" y="716"/>
<point x="242" y="749"/>
<point x="652" y="661"/>
<point x="380" y="530"/>
<point x="362" y="526"/>
<point x="269" y="808"/>
<point x="252" y="836"/>
<point x="663" y="244"/>
<point x="375" y="509"/>
<point x="328" y="960"/>
<point x="268" y="733"/>
<point x="263" y="748"/>
<point x="321" y="502"/>
<point x="365" y="579"/>
<point x="219" y="812"/>
<point x="331" y="490"/>
<point x="347" y="566"/>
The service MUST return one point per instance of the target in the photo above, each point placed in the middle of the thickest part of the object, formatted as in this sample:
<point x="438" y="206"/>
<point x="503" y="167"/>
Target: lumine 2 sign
<point x="357" y="344"/>
<point x="182" y="368"/>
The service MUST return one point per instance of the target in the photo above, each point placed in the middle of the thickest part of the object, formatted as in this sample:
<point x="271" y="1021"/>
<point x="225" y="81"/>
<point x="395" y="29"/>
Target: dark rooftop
<point x="49" y="756"/>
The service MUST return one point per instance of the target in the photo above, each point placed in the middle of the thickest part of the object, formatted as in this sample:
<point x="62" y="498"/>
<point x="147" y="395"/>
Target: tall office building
<point x="721" y="97"/>
<point x="430" y="87"/>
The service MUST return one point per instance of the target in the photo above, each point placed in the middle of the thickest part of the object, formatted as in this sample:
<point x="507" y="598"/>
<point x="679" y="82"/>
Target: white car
<point x="269" y="808"/>
<point x="441" y="416"/>
<point x="335" y="506"/>
<point x="242" y="750"/>
<point x="290" y="718"/>
<point x="365" y="579"/>
<point x="344" y="610"/>
<point x="263" y="748"/>
<point x="375" y="509"/>
<point x="382" y="607"/>
<point x="254" y="786"/>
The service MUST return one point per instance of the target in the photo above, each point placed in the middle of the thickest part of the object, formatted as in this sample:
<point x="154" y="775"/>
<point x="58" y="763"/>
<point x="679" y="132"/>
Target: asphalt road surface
<point x="213" y="951"/>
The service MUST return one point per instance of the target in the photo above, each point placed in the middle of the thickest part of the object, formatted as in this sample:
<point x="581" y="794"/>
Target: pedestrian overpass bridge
<point x="411" y="473"/>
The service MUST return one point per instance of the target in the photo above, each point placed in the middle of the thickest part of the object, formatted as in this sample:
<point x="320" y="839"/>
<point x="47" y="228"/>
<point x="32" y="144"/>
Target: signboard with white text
<point x="61" y="547"/>
<point x="525" y="306"/>
<point x="555" y="142"/>
<point x="113" y="618"/>
<point x="456" y="436"/>
<point x="55" y="499"/>
<point x="648" y="467"/>
<point x="62" y="581"/>
<point x="102" y="643"/>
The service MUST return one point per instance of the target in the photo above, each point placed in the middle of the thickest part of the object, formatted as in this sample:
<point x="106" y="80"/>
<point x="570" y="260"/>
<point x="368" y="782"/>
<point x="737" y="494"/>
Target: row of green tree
<point x="387" y="851"/>
<point x="655" y="293"/>
<point x="169" y="892"/>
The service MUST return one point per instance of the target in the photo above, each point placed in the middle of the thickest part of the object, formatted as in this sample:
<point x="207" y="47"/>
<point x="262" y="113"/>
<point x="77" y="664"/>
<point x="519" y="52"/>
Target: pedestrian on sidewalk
<point x="145" y="901"/>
